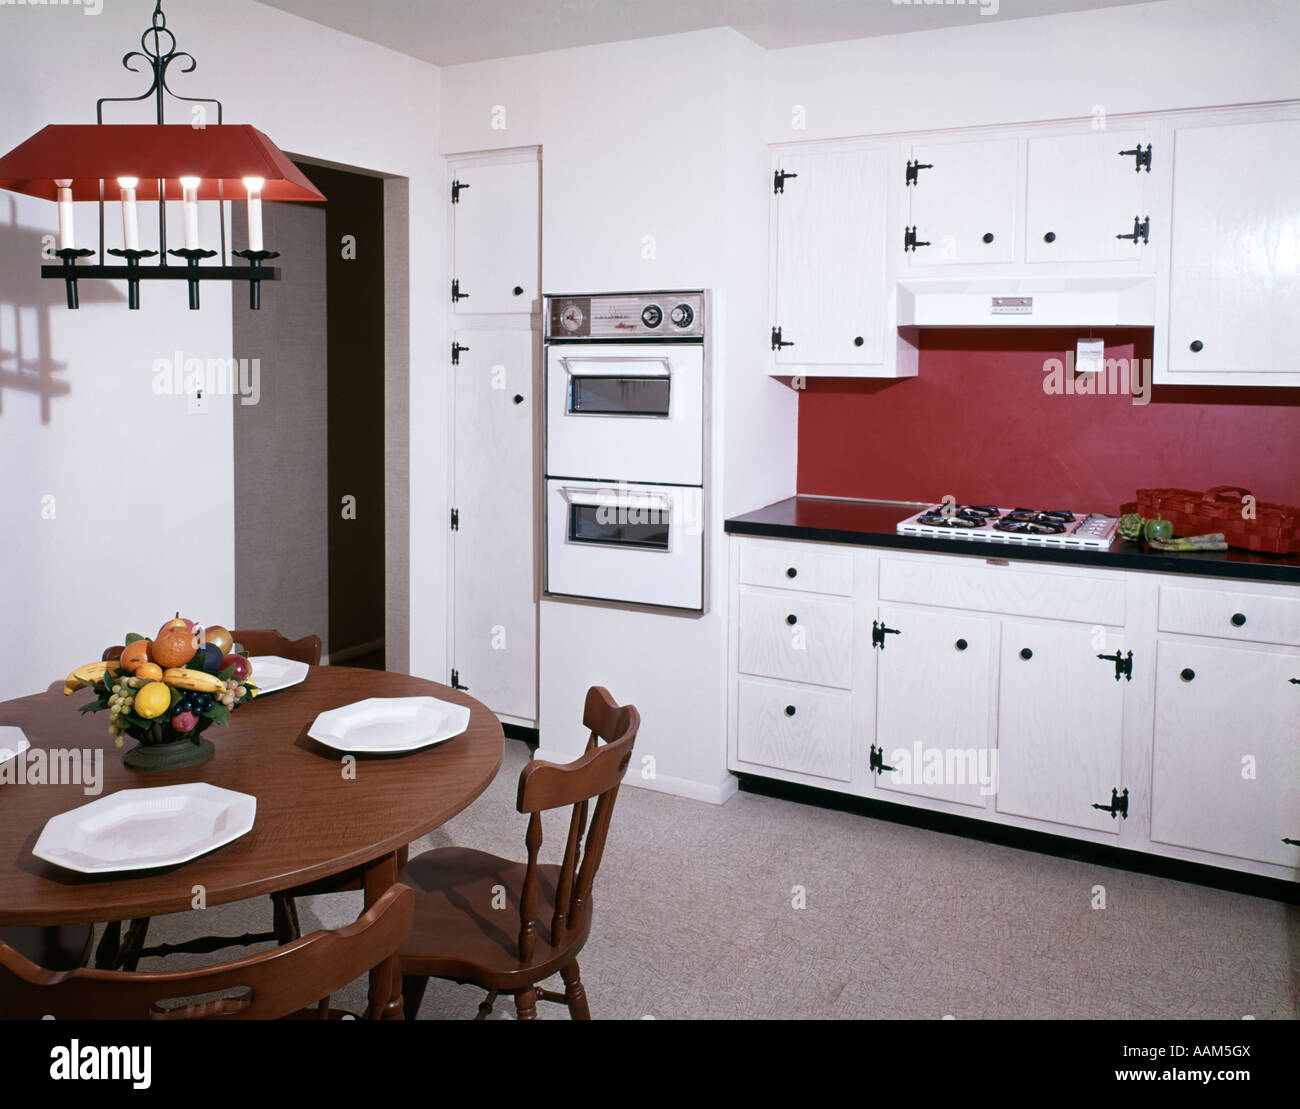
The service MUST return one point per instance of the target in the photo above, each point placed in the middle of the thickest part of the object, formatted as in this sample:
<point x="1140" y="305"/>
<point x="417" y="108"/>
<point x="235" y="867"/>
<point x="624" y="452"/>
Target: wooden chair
<point x="56" y="947"/>
<point x="279" y="983"/>
<point x="462" y="931"/>
<point x="267" y="641"/>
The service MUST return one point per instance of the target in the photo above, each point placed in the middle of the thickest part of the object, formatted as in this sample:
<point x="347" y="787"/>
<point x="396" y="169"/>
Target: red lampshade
<point x="87" y="153"/>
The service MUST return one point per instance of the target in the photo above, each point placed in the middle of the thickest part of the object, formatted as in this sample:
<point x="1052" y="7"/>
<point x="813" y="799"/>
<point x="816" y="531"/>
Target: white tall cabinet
<point x="494" y="374"/>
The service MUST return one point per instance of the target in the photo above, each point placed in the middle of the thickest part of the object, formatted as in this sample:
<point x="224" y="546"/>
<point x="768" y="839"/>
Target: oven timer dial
<point x="652" y="316"/>
<point x="571" y="318"/>
<point x="683" y="315"/>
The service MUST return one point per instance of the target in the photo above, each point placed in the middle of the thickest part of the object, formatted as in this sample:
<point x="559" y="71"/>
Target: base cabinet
<point x="1226" y="752"/>
<point x="1118" y="707"/>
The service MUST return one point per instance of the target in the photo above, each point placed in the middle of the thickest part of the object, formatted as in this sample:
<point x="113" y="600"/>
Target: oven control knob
<point x="683" y="315"/>
<point x="652" y="316"/>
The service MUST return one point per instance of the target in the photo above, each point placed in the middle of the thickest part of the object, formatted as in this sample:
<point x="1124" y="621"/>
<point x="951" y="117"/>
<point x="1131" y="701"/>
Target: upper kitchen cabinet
<point x="1234" y="274"/>
<point x="495" y="235"/>
<point x="963" y="202"/>
<point x="830" y="312"/>
<point x="1086" y="197"/>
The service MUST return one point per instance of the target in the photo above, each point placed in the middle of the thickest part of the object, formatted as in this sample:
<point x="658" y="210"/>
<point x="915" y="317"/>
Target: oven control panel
<point x="621" y="316"/>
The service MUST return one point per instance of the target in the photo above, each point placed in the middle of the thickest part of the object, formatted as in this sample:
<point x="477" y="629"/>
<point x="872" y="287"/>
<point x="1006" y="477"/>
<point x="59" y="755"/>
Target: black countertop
<point x="873" y="523"/>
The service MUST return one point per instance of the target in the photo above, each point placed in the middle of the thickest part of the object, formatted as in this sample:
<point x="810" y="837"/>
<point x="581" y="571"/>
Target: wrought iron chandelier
<point x="191" y="162"/>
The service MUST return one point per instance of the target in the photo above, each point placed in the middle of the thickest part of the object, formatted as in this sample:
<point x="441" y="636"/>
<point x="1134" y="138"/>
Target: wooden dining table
<point x="319" y="813"/>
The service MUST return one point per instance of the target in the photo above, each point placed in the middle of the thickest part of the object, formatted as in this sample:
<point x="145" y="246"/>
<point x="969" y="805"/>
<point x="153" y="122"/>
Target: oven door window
<point x="612" y="525"/>
<point x="619" y="387"/>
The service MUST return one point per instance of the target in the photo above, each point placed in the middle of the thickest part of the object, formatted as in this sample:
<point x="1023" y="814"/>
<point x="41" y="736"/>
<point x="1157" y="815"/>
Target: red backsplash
<point x="976" y="423"/>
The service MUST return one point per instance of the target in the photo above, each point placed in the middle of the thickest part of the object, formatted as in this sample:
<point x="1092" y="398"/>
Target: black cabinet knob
<point x="1188" y="674"/>
<point x="518" y="290"/>
<point x="792" y="619"/>
<point x="1238" y="618"/>
<point x="789" y="710"/>
<point x="1196" y="346"/>
<point x="858" y="340"/>
<point x="1026" y="653"/>
<point x="961" y="644"/>
<point x="1050" y="237"/>
<point x="519" y="398"/>
<point x="791" y="572"/>
<point x="988" y="236"/>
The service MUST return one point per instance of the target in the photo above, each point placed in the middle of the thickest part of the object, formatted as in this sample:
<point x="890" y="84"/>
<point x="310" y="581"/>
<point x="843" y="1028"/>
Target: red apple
<point x="184" y="721"/>
<point x="239" y="666"/>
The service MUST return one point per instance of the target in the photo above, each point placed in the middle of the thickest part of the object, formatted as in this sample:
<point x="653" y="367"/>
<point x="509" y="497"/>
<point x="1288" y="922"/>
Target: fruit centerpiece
<point x="164" y="692"/>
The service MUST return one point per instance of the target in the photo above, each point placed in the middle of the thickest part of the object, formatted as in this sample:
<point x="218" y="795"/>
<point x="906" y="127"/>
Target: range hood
<point x="1028" y="302"/>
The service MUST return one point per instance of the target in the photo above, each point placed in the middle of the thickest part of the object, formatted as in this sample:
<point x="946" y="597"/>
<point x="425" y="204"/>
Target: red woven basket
<point x="1269" y="528"/>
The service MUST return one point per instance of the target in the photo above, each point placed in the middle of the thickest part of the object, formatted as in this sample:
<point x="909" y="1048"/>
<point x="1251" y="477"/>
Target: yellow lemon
<point x="153" y="700"/>
<point x="149" y="672"/>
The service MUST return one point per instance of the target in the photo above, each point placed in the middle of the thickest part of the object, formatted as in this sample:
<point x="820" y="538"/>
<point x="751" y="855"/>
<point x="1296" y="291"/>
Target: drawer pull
<point x="961" y="644"/>
<point x="1196" y="346"/>
<point x="789" y="710"/>
<point x="1188" y="674"/>
<point x="791" y="572"/>
<point x="988" y="236"/>
<point x="1238" y="618"/>
<point x="1050" y="237"/>
<point x="792" y="619"/>
<point x="1026" y="653"/>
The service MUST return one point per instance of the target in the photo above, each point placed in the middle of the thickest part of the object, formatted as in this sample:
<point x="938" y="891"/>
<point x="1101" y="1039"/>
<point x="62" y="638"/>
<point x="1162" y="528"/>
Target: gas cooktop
<point x="1033" y="526"/>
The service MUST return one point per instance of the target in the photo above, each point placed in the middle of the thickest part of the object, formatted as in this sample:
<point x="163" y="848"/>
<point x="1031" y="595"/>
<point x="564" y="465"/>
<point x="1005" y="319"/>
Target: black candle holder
<point x="192" y="258"/>
<point x="132" y="263"/>
<point x="255" y="260"/>
<point x="70" y="256"/>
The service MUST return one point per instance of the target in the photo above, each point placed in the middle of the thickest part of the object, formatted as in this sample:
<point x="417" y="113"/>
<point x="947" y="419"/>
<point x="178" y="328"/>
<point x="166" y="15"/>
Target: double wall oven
<point x="626" y="448"/>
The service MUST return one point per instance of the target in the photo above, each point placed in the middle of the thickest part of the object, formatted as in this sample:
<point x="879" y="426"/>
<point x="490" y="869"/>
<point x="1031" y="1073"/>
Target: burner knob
<point x="652" y="315"/>
<point x="683" y="315"/>
<point x="961" y="644"/>
<point x="1238" y="618"/>
<point x="792" y="619"/>
<point x="1026" y="653"/>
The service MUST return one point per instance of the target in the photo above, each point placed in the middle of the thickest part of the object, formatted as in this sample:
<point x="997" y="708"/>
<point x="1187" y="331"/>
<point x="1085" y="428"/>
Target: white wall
<point x="144" y="522"/>
<point x="653" y="177"/>
<point x="1145" y="57"/>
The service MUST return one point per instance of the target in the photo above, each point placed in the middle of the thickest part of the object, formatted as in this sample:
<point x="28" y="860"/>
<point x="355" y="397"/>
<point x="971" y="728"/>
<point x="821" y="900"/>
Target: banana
<point x="89" y="674"/>
<point x="180" y="677"/>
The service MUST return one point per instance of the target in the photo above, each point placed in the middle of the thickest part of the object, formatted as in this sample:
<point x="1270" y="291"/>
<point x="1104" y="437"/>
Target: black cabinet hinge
<point x="779" y="178"/>
<point x="455" y="519"/>
<point x="456" y="295"/>
<point x="1294" y="681"/>
<point x="456" y="186"/>
<point x="878" y="633"/>
<point x="778" y="342"/>
<point x="910" y="241"/>
<point x="1141" y="229"/>
<point x="455" y="680"/>
<point x="878" y="761"/>
<point x="1140" y="157"/>
<point x="1123" y="664"/>
<point x="456" y="349"/>
<point x="913" y="168"/>
<point x="1118" y="804"/>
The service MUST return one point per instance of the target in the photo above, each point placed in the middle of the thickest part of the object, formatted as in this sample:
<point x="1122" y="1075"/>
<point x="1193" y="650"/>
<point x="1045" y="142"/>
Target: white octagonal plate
<point x="136" y="829"/>
<point x="12" y="742"/>
<point x="388" y="725"/>
<point x="271" y="672"/>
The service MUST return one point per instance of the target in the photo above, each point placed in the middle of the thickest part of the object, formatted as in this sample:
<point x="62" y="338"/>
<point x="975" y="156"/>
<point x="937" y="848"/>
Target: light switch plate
<point x="196" y="404"/>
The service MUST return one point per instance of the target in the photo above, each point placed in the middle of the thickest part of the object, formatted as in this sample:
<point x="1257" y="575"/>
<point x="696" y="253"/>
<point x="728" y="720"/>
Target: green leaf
<point x="92" y="706"/>
<point x="226" y="674"/>
<point x="138" y="721"/>
<point x="218" y="714"/>
<point x="132" y="637"/>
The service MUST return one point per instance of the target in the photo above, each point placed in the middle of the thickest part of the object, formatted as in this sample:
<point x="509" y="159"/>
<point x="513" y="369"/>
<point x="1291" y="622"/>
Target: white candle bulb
<point x="190" y="185"/>
<point x="254" y="186"/>
<point x="130" y="223"/>
<point x="67" y="234"/>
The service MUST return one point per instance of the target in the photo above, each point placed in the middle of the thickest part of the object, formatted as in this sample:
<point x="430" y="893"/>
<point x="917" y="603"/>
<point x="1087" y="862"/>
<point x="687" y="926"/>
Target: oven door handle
<point x="612" y="367"/>
<point x="598" y="496"/>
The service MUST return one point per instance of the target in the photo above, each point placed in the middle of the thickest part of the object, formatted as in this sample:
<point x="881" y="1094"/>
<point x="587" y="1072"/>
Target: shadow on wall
<point x="27" y="306"/>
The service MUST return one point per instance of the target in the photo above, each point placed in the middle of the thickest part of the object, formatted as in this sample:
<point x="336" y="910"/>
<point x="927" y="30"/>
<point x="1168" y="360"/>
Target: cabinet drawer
<point x="807" y="568"/>
<point x="1254" y="617"/>
<point x="796" y="637"/>
<point x="959" y="583"/>
<point x="808" y="731"/>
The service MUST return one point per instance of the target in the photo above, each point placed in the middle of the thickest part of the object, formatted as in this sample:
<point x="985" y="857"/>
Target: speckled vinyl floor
<point x="696" y="918"/>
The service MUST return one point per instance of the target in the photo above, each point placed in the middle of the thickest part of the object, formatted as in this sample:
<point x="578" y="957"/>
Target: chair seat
<point x="59" y="947"/>
<point x="459" y="935"/>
